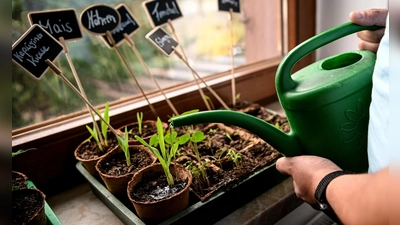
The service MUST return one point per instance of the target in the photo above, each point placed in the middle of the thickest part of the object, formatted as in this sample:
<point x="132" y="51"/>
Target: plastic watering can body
<point x="326" y="104"/>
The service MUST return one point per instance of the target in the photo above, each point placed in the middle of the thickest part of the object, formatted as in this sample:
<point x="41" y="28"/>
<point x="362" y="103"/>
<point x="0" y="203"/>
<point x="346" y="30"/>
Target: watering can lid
<point x="329" y="80"/>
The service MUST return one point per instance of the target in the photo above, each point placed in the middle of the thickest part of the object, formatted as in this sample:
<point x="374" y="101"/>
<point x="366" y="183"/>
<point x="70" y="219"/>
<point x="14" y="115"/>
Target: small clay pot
<point x="118" y="184"/>
<point x="157" y="211"/>
<point x="90" y="164"/>
<point x="22" y="198"/>
<point x="19" y="180"/>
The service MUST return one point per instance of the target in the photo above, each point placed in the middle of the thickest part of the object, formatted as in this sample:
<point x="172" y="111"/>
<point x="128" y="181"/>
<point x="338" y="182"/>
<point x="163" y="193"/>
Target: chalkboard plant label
<point x="226" y="5"/>
<point x="98" y="19"/>
<point x="162" y="41"/>
<point x="160" y="11"/>
<point x="59" y="23"/>
<point x="33" y="48"/>
<point x="129" y="26"/>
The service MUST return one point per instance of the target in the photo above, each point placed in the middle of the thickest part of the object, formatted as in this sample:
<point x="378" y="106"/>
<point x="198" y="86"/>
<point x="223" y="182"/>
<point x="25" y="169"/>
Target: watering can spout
<point x="287" y="144"/>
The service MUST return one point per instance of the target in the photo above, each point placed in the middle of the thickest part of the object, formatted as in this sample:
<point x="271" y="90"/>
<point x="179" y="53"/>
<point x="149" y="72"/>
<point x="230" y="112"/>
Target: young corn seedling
<point x="104" y="129"/>
<point x="140" y="121"/>
<point x="124" y="145"/>
<point x="168" y="149"/>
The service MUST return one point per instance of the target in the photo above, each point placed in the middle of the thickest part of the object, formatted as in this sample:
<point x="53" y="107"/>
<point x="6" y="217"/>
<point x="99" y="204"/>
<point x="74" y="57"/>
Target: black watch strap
<point x="320" y="193"/>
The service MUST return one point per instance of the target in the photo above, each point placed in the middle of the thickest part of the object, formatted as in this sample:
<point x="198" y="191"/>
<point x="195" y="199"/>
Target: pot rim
<point x="186" y="188"/>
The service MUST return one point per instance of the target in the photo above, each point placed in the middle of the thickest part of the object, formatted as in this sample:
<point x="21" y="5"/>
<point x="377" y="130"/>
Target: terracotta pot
<point x="156" y="211"/>
<point x="147" y="127"/>
<point x="118" y="184"/>
<point x="90" y="163"/>
<point x="20" y="206"/>
<point x="19" y="180"/>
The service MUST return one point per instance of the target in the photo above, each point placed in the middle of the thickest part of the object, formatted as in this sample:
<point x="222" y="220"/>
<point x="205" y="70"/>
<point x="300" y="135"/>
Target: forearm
<point x="360" y="199"/>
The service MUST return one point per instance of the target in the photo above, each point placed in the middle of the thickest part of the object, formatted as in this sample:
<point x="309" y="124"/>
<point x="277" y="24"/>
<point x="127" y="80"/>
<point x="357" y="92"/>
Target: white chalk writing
<point x="56" y="28"/>
<point x="125" y="24"/>
<point x="95" y="20"/>
<point x="161" y="41"/>
<point x="38" y="56"/>
<point x="232" y="2"/>
<point x="163" y="13"/>
<point x="31" y="44"/>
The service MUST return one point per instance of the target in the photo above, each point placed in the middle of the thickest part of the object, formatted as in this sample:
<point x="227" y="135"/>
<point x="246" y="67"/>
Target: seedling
<point x="168" y="149"/>
<point x="21" y="151"/>
<point x="198" y="172"/>
<point x="228" y="135"/>
<point x="124" y="145"/>
<point x="140" y="121"/>
<point x="104" y="129"/>
<point x="196" y="137"/>
<point x="234" y="156"/>
<point x="209" y="101"/>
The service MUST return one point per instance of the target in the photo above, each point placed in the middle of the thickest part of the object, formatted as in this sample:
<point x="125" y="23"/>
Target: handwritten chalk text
<point x="232" y="2"/>
<point x="38" y="56"/>
<point x="161" y="41"/>
<point x="125" y="24"/>
<point x="163" y="13"/>
<point x="95" y="20"/>
<point x="56" y="28"/>
<point x="32" y="44"/>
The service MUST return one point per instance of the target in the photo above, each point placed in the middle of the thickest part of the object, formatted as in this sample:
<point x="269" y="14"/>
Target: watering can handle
<point x="284" y="82"/>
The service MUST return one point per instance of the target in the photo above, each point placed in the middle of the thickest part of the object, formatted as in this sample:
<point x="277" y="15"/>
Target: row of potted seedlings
<point x="153" y="165"/>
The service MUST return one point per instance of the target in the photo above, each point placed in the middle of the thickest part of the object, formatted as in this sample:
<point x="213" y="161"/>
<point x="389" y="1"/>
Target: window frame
<point x="56" y="139"/>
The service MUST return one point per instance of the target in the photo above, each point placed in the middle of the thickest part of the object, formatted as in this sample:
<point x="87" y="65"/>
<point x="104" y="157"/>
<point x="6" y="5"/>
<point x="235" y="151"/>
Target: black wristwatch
<point x="320" y="193"/>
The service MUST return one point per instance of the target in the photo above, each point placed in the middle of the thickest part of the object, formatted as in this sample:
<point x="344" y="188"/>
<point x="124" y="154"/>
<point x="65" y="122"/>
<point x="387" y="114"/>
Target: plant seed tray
<point x="51" y="216"/>
<point x="219" y="205"/>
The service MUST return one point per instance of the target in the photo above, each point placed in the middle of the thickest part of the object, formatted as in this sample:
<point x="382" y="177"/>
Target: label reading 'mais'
<point x="31" y="51"/>
<point x="160" y="11"/>
<point x="162" y="41"/>
<point x="226" y="5"/>
<point x="127" y="26"/>
<point x="99" y="19"/>
<point x="59" y="23"/>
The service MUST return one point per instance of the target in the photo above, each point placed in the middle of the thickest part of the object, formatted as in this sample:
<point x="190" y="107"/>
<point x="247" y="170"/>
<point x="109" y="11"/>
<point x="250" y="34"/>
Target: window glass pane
<point x="203" y="32"/>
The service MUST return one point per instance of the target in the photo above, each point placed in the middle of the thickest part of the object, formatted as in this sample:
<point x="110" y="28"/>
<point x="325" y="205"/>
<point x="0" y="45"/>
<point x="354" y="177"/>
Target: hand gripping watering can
<point x="326" y="104"/>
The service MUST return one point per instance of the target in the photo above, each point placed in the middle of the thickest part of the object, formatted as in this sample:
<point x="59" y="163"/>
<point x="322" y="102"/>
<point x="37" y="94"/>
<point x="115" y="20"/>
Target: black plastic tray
<point x="210" y="211"/>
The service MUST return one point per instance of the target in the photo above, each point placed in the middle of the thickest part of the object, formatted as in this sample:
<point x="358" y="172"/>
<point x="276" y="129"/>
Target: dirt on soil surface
<point x="117" y="166"/>
<point x="24" y="205"/>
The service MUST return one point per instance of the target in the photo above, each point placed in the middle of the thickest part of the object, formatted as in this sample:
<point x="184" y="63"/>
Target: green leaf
<point x="198" y="136"/>
<point x="154" y="140"/>
<point x="123" y="143"/>
<point x="104" y="126"/>
<point x="184" y="139"/>
<point x="160" y="132"/>
<point x="139" y="117"/>
<point x="151" y="148"/>
<point x="171" y="139"/>
<point x="174" y="149"/>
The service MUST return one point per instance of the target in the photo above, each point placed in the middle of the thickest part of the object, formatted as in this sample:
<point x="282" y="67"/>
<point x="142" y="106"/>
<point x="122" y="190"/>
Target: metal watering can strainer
<point x="326" y="104"/>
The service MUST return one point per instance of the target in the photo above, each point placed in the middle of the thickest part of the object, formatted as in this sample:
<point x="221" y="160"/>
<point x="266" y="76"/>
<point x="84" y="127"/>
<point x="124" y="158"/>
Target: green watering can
<point x="326" y="104"/>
